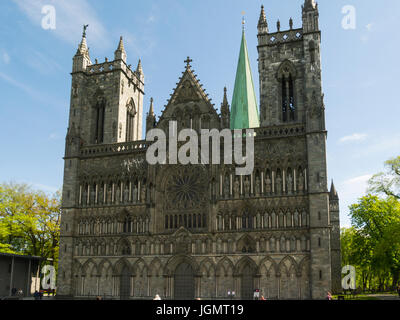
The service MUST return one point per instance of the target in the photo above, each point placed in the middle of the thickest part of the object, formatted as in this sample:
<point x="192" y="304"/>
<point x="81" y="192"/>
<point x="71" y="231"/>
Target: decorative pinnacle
<point x="243" y="20"/>
<point x="188" y="61"/>
<point x="225" y="101"/>
<point x="121" y="45"/>
<point x="151" y="112"/>
<point x="263" y="18"/>
<point x="309" y="4"/>
<point x="278" y="25"/>
<point x="139" y="67"/>
<point x="291" y="23"/>
<point x="85" y="26"/>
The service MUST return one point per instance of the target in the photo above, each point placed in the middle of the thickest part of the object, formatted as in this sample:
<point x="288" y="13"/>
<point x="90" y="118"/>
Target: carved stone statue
<point x="143" y="192"/>
<point x="109" y="195"/>
<point x="246" y="186"/>
<point x="267" y="185"/>
<point x="100" y="195"/>
<point x="300" y="186"/>
<point x="278" y="188"/>
<point x="258" y="186"/>
<point x="118" y="195"/>
<point x="126" y="194"/>
<point x="227" y="187"/>
<point x="237" y="188"/>
<point x="92" y="196"/>
<point x="289" y="184"/>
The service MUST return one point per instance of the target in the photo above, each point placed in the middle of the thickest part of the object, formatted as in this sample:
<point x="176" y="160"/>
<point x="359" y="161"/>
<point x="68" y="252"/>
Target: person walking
<point x="329" y="296"/>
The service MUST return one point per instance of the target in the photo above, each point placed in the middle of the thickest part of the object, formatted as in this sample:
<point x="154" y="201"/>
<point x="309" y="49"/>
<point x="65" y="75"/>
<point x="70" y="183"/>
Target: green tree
<point x="388" y="182"/>
<point x="377" y="223"/>
<point x="29" y="221"/>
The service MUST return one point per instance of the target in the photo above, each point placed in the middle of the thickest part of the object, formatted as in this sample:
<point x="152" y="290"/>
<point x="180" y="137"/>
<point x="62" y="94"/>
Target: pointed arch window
<point x="130" y="118"/>
<point x="286" y="78"/>
<point x="99" y="119"/>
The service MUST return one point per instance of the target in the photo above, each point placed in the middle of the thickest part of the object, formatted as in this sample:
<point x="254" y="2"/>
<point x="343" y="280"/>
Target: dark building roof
<point x="21" y="256"/>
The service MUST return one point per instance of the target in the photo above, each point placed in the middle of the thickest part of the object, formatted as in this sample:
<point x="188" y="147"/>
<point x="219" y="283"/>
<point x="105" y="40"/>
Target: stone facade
<point x="133" y="230"/>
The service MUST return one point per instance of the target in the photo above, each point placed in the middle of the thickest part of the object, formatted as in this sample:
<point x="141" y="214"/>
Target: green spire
<point x="244" y="110"/>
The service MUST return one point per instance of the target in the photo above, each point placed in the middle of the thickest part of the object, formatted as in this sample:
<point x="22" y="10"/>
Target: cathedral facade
<point x="131" y="230"/>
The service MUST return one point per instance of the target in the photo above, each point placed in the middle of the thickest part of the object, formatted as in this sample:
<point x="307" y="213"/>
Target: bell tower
<point x="289" y="69"/>
<point x="106" y="97"/>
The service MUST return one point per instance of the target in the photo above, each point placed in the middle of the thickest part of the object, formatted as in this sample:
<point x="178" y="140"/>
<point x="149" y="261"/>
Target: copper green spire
<point x="244" y="110"/>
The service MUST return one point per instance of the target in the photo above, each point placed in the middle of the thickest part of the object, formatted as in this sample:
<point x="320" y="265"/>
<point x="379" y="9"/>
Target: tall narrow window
<point x="284" y="101"/>
<point x="311" y="46"/>
<point x="130" y="117"/>
<point x="288" y="103"/>
<point x="286" y="77"/>
<point x="292" y="107"/>
<point x="100" y="114"/>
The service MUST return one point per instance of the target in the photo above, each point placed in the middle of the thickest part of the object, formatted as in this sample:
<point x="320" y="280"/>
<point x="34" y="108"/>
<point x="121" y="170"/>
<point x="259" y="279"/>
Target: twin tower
<point x="107" y="97"/>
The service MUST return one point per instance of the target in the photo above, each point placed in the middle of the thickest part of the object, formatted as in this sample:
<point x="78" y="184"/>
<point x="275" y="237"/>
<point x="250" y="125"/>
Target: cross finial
<point x="188" y="61"/>
<point x="85" y="26"/>
<point x="243" y="21"/>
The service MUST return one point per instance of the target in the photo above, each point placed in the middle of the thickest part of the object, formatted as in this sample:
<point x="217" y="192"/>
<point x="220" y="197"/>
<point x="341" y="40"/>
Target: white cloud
<point x="6" y="58"/>
<point x="40" y="187"/>
<point x="71" y="15"/>
<point x="45" y="188"/>
<point x="42" y="63"/>
<point x="138" y="46"/>
<point x="360" y="181"/>
<point x="35" y="94"/>
<point x="17" y="84"/>
<point x="353" y="137"/>
<point x="352" y="189"/>
<point x="349" y="192"/>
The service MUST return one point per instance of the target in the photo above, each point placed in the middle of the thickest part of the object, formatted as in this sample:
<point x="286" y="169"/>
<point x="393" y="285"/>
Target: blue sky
<point x="359" y="73"/>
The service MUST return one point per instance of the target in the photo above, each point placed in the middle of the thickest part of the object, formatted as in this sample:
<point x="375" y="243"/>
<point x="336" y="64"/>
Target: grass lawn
<point x="356" y="297"/>
<point x="360" y="297"/>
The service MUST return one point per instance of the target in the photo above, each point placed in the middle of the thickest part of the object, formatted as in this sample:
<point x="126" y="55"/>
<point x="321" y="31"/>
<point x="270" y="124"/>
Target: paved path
<point x="385" y="296"/>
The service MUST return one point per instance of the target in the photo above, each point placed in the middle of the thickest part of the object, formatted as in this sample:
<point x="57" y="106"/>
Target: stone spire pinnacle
<point x="83" y="48"/>
<point x="151" y="118"/>
<point x="120" y="53"/>
<point x="225" y="114"/>
<point x="121" y="45"/>
<point x="225" y="101"/>
<point x="333" y="195"/>
<point x="139" y="67"/>
<point x="310" y="16"/>
<point x="309" y="4"/>
<point x="151" y="111"/>
<point x="262" y="22"/>
<point x="244" y="110"/>
<point x="263" y="18"/>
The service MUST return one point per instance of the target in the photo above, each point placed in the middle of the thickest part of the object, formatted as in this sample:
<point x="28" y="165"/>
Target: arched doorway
<point x="184" y="282"/>
<point x="247" y="287"/>
<point x="125" y="284"/>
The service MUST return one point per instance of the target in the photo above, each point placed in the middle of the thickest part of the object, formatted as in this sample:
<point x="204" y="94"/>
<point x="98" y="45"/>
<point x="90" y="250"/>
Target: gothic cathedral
<point x="131" y="230"/>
